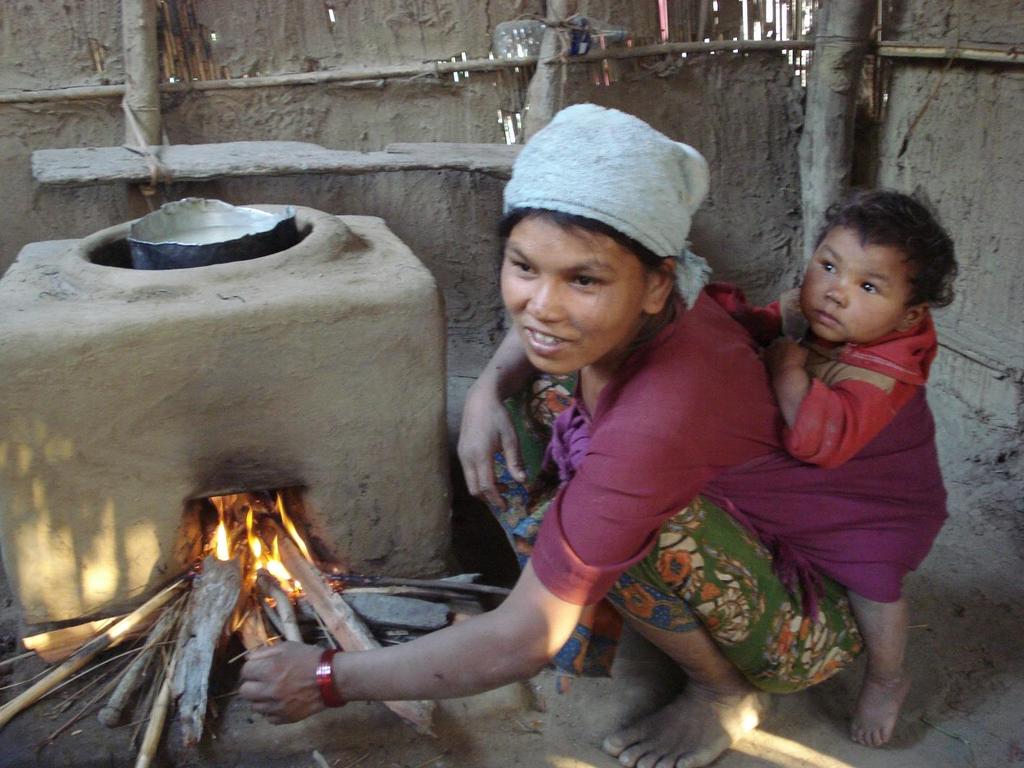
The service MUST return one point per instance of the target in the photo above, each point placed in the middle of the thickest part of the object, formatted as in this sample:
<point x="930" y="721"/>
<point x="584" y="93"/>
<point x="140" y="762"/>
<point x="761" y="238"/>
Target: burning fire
<point x="246" y="517"/>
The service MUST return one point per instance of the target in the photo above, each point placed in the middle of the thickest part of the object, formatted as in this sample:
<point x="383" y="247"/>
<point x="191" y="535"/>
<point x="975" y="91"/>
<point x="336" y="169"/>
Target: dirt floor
<point x="966" y="708"/>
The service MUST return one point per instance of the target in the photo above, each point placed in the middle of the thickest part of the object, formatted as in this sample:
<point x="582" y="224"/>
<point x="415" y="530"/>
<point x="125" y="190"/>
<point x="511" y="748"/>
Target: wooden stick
<point x="215" y="596"/>
<point x="253" y="631"/>
<point x="157" y="717"/>
<point x="268" y="585"/>
<point x="110" y="714"/>
<point x="58" y="644"/>
<point x="448" y="585"/>
<point x="110" y="638"/>
<point x="348" y="628"/>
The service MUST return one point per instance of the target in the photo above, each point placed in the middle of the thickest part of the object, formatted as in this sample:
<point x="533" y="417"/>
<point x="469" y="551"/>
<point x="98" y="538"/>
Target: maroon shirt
<point x="693" y="412"/>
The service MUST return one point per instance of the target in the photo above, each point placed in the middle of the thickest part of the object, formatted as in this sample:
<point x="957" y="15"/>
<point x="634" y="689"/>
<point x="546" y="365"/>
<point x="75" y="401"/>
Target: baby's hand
<point x="784" y="354"/>
<point x="794" y="324"/>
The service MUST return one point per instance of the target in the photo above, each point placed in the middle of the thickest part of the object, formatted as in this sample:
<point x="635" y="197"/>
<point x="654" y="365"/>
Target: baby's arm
<point x="785" y="362"/>
<point x="835" y="420"/>
<point x="885" y="686"/>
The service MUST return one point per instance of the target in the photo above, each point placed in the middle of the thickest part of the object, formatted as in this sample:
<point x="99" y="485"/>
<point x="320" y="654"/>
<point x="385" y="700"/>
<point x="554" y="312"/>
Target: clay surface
<point x="321" y="366"/>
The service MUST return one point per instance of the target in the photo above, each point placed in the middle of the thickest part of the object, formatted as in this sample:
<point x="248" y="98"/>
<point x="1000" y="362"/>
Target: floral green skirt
<point x="705" y="570"/>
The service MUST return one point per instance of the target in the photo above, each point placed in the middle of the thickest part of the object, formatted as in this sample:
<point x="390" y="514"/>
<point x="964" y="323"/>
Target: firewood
<point x="58" y="644"/>
<point x="110" y="638"/>
<point x="348" y="628"/>
<point x="213" y="601"/>
<point x="267" y="584"/>
<point x="400" y="612"/>
<point x="158" y="715"/>
<point x="253" y="631"/>
<point x="110" y="714"/>
<point x="452" y="584"/>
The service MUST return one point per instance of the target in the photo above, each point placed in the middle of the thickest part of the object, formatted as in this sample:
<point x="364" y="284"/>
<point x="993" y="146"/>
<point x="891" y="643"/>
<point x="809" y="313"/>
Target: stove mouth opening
<point x="250" y="526"/>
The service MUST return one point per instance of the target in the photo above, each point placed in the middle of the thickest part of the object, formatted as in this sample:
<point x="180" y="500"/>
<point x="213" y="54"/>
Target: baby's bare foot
<point x="690" y="732"/>
<point x="878" y="706"/>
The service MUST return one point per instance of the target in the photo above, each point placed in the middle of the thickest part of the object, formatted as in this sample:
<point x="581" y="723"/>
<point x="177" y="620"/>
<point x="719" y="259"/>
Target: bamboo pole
<point x="1001" y="54"/>
<point x="360" y="75"/>
<point x="87" y="652"/>
<point x="544" y="94"/>
<point x="157" y="716"/>
<point x="141" y="68"/>
<point x="842" y="40"/>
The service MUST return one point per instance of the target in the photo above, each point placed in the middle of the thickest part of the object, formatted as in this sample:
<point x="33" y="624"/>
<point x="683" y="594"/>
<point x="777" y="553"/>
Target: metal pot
<point x="196" y="232"/>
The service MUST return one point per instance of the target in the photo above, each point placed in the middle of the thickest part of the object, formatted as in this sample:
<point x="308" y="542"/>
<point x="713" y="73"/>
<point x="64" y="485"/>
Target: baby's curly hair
<point x="886" y="217"/>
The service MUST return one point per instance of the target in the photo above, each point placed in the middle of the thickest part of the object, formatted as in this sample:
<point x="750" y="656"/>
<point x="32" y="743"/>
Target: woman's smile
<point x="544" y="343"/>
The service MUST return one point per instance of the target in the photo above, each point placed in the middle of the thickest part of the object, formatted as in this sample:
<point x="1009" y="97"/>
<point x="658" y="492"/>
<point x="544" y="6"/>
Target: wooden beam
<point x="842" y="40"/>
<point x="202" y="162"/>
<point x="141" y="71"/>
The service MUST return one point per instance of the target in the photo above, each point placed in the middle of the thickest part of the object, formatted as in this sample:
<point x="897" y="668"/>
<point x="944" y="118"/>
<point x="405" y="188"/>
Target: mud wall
<point x="963" y="154"/>
<point x="742" y="112"/>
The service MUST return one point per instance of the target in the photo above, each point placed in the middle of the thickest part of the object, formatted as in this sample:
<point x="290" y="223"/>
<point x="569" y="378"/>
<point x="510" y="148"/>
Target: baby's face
<point x="857" y="293"/>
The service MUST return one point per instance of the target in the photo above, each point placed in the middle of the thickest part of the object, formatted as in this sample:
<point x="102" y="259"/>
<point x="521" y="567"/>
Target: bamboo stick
<point x="357" y="75"/>
<point x="347" y="627"/>
<point x="157" y="717"/>
<point x="997" y="54"/>
<point x="110" y="714"/>
<point x="110" y="638"/>
<point x="447" y="585"/>
<point x="58" y="644"/>
<point x="993" y="54"/>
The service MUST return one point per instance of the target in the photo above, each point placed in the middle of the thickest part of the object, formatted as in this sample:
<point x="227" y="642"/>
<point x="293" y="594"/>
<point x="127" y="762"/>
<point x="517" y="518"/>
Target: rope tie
<point x="157" y="171"/>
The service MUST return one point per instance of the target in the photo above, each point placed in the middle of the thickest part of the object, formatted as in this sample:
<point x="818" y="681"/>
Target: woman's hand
<point x="485" y="429"/>
<point x="486" y="426"/>
<point x="280" y="681"/>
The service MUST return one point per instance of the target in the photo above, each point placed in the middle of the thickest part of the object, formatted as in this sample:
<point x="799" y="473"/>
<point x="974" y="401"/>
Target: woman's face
<point x="576" y="298"/>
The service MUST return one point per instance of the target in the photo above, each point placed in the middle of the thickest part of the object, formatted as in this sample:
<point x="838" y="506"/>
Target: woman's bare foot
<point x="878" y="706"/>
<point x="691" y="731"/>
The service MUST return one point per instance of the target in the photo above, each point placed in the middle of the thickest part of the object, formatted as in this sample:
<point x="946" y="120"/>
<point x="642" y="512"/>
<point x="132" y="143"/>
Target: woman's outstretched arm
<point x="486" y="427"/>
<point x="509" y="643"/>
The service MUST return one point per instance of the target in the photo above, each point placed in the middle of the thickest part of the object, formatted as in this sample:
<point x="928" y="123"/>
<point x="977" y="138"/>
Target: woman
<point x="672" y="419"/>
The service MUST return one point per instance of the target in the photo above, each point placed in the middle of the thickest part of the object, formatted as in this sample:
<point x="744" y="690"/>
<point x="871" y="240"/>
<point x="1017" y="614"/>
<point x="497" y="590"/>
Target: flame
<point x="288" y="526"/>
<point x="276" y="568"/>
<point x="255" y="545"/>
<point x="222" y="541"/>
<point x="221" y="536"/>
<point x="265" y="555"/>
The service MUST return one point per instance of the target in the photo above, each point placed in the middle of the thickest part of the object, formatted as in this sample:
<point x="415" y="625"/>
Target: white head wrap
<point x="605" y="165"/>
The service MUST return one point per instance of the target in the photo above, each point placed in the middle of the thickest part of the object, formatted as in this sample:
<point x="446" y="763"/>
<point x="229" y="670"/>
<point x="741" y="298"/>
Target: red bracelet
<point x="325" y="680"/>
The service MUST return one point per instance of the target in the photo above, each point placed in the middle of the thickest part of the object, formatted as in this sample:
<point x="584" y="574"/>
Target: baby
<point x="845" y="352"/>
